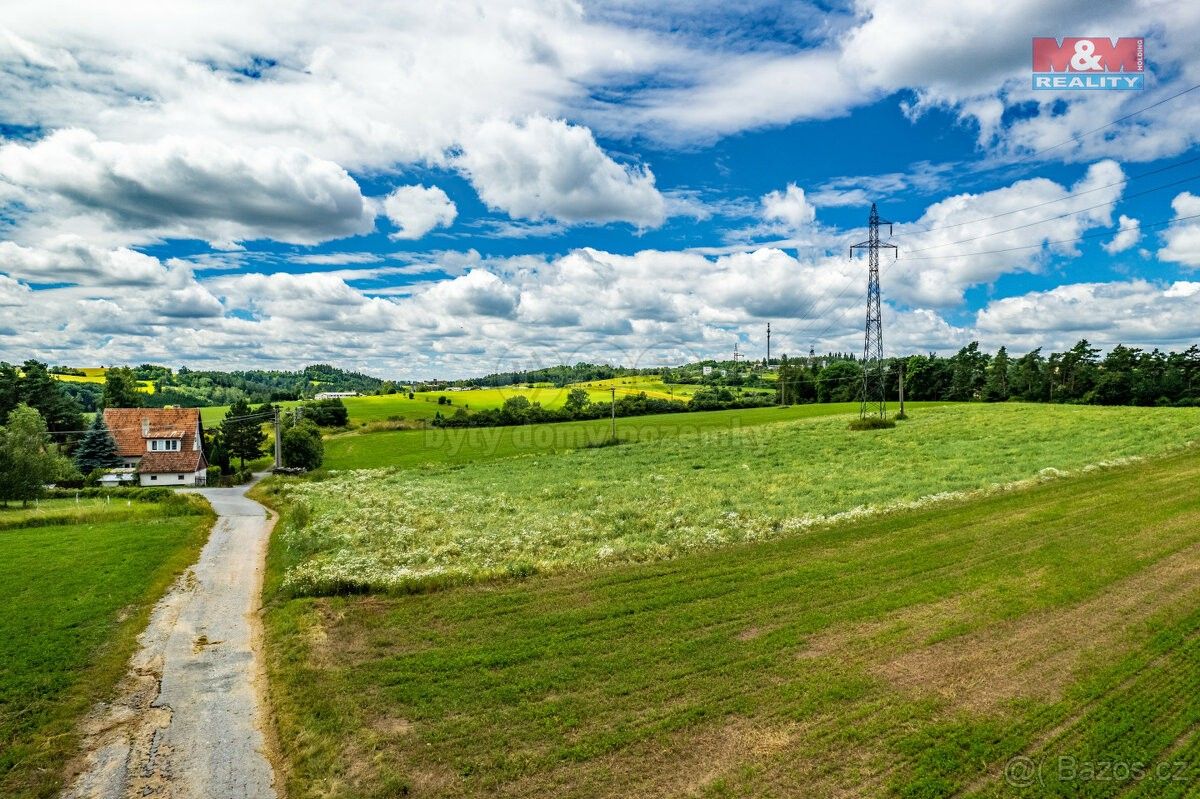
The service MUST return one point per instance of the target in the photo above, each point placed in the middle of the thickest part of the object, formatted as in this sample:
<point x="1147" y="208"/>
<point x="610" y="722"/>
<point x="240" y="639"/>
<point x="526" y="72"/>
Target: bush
<point x="872" y="423"/>
<point x="236" y="479"/>
<point x="302" y="446"/>
<point x="327" y="413"/>
<point x="136" y="493"/>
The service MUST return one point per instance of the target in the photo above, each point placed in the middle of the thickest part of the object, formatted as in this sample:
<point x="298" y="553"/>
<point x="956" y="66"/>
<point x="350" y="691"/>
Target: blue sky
<point x="455" y="190"/>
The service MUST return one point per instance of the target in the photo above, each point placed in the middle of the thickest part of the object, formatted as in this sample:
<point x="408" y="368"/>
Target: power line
<point x="1106" y="125"/>
<point x="850" y="283"/>
<point x="1039" y="245"/>
<point x="1099" y="234"/>
<point x="1060" y="216"/>
<point x="1030" y="156"/>
<point x="1065" y="197"/>
<point x="139" y="427"/>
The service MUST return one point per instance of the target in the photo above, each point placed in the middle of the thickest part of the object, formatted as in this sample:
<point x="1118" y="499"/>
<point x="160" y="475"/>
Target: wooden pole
<point x="613" y="407"/>
<point x="278" y="442"/>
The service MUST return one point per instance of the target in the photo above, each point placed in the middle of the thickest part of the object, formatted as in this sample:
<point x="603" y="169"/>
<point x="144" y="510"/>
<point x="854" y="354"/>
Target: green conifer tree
<point x="98" y="449"/>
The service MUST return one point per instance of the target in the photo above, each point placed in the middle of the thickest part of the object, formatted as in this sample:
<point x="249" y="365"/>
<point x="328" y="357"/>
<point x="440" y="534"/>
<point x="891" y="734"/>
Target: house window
<point x="181" y="477"/>
<point x="164" y="445"/>
<point x="154" y="477"/>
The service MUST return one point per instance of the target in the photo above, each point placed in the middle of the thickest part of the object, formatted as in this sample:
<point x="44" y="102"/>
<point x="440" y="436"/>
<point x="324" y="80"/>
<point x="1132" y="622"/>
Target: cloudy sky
<point x="455" y="188"/>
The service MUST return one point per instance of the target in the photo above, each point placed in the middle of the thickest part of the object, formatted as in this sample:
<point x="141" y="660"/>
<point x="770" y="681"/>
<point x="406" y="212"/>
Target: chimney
<point x="145" y="426"/>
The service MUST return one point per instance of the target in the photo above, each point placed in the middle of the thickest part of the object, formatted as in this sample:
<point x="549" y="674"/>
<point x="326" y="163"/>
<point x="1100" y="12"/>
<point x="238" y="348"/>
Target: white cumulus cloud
<point x="189" y="188"/>
<point x="416" y="210"/>
<point x="1129" y="233"/>
<point x="548" y="169"/>
<point x="969" y="239"/>
<point x="1183" y="241"/>
<point x="1135" y="312"/>
<point x="788" y="207"/>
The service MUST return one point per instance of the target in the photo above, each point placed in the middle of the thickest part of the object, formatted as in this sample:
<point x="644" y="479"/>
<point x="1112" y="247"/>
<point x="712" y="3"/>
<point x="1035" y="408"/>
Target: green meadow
<point x="790" y="610"/>
<point x="652" y="500"/>
<point x="369" y="450"/>
<point x="77" y="582"/>
<point x="424" y="404"/>
<point x="95" y="374"/>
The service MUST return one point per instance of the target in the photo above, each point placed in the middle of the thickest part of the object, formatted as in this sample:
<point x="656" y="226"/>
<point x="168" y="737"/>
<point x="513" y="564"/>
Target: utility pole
<point x="613" y="407"/>
<point x="278" y="441"/>
<point x="768" y="345"/>
<point x="902" y="388"/>
<point x="874" y="401"/>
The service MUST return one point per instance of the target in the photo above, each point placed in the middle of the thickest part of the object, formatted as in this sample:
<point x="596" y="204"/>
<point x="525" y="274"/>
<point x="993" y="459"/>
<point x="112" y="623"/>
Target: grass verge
<point x="77" y="584"/>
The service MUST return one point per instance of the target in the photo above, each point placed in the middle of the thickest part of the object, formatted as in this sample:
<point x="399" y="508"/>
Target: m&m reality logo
<point x="1089" y="62"/>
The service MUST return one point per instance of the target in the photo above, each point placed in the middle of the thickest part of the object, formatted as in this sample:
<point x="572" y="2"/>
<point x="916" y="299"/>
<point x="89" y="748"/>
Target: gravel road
<point x="190" y="718"/>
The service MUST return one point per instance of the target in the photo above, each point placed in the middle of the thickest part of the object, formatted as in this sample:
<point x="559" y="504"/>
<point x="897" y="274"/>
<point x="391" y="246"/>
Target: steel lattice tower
<point x="874" y="400"/>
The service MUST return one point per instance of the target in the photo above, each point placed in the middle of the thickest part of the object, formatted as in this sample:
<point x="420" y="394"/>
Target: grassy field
<point x="654" y="387"/>
<point x="466" y="445"/>
<point x="424" y="405"/>
<point x="654" y="500"/>
<point x="77" y="582"/>
<point x="96" y="375"/>
<point x="912" y="654"/>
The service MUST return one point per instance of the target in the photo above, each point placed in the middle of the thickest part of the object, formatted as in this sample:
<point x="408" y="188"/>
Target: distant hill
<point x="198" y="388"/>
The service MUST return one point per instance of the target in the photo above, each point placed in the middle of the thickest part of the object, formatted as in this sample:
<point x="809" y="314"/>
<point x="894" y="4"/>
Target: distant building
<point x="162" y="446"/>
<point x="324" y="395"/>
<point x="706" y="370"/>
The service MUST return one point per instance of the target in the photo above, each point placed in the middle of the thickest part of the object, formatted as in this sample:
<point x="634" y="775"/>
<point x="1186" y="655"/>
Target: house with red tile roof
<point x="163" y="445"/>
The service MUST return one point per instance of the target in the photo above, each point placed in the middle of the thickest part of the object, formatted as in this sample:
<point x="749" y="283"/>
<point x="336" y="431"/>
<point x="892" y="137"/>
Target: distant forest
<point x="557" y="375"/>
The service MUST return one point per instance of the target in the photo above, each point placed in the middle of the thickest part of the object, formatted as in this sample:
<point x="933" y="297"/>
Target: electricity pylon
<point x="874" y="400"/>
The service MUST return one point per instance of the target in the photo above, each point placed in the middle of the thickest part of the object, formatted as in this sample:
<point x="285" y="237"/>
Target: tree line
<point x="1123" y="376"/>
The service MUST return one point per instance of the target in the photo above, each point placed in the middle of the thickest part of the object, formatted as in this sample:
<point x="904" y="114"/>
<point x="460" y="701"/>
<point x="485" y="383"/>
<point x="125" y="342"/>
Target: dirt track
<point x="189" y="719"/>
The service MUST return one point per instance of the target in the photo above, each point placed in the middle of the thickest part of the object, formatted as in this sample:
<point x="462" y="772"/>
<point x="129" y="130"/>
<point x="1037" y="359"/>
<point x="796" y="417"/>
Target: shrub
<point x="872" y="423"/>
<point x="136" y="493"/>
<point x="302" y="446"/>
<point x="327" y="412"/>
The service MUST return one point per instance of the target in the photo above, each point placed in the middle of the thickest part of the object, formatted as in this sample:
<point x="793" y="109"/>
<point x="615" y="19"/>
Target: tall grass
<point x="417" y="529"/>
